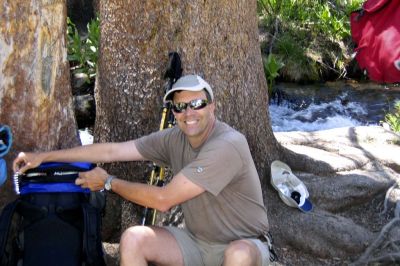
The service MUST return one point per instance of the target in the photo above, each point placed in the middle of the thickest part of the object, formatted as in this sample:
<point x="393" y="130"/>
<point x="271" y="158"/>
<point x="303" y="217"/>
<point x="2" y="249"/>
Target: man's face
<point x="196" y="124"/>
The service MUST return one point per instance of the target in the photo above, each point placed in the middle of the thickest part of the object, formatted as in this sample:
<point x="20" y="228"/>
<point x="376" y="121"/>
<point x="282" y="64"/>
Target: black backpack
<point x="53" y="221"/>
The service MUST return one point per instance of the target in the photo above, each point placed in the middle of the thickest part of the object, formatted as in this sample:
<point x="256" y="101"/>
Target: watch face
<point x="107" y="185"/>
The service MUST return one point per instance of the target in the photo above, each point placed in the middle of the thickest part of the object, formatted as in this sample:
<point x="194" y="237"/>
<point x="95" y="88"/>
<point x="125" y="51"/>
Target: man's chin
<point x="190" y="133"/>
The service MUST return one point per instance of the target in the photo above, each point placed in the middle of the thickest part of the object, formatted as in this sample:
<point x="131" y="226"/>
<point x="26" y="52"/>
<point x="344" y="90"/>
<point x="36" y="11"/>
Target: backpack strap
<point x="5" y="222"/>
<point x="92" y="246"/>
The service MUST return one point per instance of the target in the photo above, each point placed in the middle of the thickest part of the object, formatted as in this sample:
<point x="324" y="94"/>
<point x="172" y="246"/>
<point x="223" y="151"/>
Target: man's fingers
<point x="91" y="179"/>
<point x="79" y="181"/>
<point x="24" y="162"/>
<point x="21" y="168"/>
<point x="82" y="181"/>
<point x="18" y="162"/>
<point x="16" y="167"/>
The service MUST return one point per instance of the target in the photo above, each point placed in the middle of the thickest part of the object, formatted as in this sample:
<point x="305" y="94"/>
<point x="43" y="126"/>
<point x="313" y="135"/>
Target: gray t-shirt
<point x="232" y="206"/>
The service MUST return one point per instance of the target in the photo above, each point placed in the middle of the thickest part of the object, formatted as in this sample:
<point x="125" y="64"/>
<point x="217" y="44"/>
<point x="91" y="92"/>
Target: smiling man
<point x="215" y="182"/>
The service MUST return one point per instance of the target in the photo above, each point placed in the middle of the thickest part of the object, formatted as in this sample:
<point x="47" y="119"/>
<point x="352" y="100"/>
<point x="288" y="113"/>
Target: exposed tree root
<point x="387" y="198"/>
<point x="300" y="162"/>
<point x="386" y="247"/>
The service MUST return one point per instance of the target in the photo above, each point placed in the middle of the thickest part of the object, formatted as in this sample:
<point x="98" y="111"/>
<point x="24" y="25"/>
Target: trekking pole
<point x="157" y="176"/>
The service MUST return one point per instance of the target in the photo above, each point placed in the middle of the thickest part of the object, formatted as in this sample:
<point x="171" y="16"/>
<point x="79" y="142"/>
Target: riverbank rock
<point x="85" y="110"/>
<point x="111" y="251"/>
<point x="353" y="178"/>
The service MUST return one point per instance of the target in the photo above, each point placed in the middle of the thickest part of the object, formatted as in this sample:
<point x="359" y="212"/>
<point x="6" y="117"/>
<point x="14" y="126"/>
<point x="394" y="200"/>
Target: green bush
<point x="311" y="37"/>
<point x="83" y="51"/>
<point x="292" y="52"/>
<point x="272" y="65"/>
<point x="333" y="23"/>
<point x="393" y="118"/>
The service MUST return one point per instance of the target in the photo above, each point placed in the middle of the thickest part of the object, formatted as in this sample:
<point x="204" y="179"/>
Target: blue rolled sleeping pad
<point x="51" y="177"/>
<point x="5" y="145"/>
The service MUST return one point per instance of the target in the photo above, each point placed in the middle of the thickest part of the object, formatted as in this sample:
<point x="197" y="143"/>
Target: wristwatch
<point x="107" y="184"/>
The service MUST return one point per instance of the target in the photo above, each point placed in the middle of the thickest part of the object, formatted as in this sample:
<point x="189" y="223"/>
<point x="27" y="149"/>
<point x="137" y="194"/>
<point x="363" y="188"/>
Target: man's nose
<point x="188" y="110"/>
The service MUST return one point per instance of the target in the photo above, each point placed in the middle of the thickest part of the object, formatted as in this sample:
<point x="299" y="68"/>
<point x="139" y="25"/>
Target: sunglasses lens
<point x="179" y="107"/>
<point x="194" y="105"/>
<point x="198" y="104"/>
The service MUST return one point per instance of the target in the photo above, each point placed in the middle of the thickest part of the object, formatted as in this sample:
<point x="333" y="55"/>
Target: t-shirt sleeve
<point x="215" y="166"/>
<point x="154" y="148"/>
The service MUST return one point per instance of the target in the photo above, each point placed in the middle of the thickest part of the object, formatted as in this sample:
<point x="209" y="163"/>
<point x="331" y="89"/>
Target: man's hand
<point x="93" y="179"/>
<point x="26" y="161"/>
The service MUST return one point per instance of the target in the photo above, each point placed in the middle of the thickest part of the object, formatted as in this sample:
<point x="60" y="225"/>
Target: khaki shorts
<point x="196" y="252"/>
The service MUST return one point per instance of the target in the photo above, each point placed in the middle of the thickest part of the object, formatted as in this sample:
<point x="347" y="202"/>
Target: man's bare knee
<point x="133" y="244"/>
<point x="138" y="244"/>
<point x="133" y="238"/>
<point x="241" y="252"/>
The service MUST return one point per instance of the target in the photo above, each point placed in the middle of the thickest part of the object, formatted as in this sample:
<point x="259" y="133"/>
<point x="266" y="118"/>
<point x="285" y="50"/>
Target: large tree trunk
<point x="35" y="93"/>
<point x="216" y="39"/>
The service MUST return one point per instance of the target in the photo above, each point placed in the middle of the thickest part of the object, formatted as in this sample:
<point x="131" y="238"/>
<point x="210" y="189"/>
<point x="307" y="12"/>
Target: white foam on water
<point x="315" y="117"/>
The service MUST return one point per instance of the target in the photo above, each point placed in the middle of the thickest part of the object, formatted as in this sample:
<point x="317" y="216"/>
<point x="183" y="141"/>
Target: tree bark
<point x="35" y="92"/>
<point x="216" y="39"/>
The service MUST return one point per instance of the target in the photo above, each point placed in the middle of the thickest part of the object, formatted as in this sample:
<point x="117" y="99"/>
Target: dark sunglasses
<point x="193" y="104"/>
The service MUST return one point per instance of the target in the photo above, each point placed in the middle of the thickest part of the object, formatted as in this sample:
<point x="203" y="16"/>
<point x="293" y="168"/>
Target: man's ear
<point x="212" y="105"/>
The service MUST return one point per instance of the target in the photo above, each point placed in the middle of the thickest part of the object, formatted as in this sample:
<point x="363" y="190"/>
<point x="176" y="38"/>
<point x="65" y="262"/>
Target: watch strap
<point x="107" y="184"/>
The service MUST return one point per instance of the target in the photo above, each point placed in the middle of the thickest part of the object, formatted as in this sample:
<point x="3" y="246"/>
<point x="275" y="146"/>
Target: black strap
<point x="92" y="246"/>
<point x="174" y="67"/>
<point x="67" y="177"/>
<point x="54" y="172"/>
<point x="5" y="222"/>
<point x="267" y="239"/>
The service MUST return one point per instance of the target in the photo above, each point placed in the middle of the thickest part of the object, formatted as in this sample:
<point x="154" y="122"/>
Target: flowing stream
<point x="285" y="117"/>
<point x="319" y="107"/>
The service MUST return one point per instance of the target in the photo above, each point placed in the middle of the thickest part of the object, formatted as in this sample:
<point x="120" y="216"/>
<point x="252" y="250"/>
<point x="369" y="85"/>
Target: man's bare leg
<point x="141" y="245"/>
<point x="241" y="253"/>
